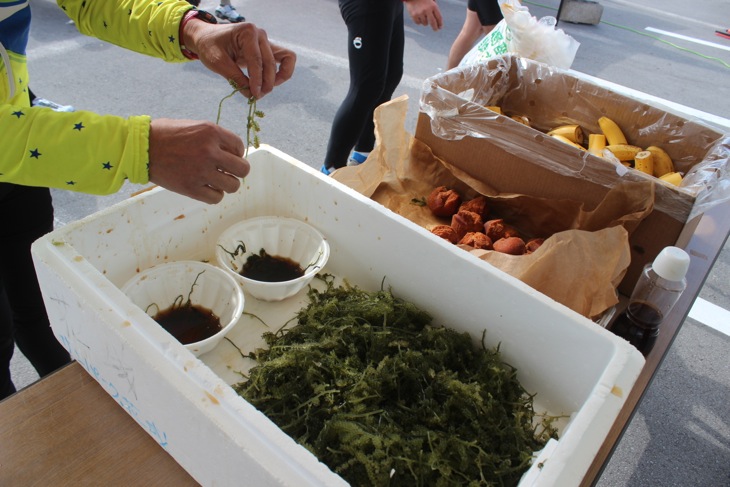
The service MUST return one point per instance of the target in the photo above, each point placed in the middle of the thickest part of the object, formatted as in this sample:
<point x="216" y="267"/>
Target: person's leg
<point x="393" y="76"/>
<point x="369" y="32"/>
<point x="7" y="345"/>
<point x="489" y="13"/>
<point x="26" y="214"/>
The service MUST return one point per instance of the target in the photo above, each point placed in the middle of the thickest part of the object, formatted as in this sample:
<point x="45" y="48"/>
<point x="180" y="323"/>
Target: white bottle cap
<point x="671" y="264"/>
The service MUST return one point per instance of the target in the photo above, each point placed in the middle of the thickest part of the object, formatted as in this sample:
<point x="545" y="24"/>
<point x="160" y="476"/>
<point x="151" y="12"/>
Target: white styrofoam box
<point x="575" y="368"/>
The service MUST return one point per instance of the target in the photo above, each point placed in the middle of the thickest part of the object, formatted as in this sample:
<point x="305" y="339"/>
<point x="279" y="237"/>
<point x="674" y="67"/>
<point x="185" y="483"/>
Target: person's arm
<point x="226" y="48"/>
<point x="153" y="27"/>
<point x="79" y="151"/>
<point x="94" y="154"/>
<point x="144" y="26"/>
<point x="470" y="32"/>
<point x="198" y="159"/>
<point x="425" y="12"/>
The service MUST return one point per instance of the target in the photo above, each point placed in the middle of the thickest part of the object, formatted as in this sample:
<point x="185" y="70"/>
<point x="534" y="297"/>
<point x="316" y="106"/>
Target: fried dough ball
<point x="478" y="205"/>
<point x="446" y="232"/>
<point x="510" y="245"/>
<point x="497" y="229"/>
<point x="533" y="244"/>
<point x="478" y="240"/>
<point x="443" y="201"/>
<point x="466" y="221"/>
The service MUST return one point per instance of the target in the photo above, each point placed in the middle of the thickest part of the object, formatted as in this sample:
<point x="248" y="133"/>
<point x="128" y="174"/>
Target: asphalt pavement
<point x="680" y="434"/>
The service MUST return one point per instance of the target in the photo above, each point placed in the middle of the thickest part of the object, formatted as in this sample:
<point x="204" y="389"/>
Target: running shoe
<point x="228" y="12"/>
<point x="356" y="159"/>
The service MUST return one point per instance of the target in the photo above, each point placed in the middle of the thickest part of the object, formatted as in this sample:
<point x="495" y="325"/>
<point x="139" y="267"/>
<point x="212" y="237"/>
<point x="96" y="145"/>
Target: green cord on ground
<point x="656" y="38"/>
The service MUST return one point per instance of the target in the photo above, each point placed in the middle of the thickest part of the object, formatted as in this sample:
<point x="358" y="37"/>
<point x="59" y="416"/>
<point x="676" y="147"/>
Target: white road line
<point x="687" y="38"/>
<point x="633" y="5"/>
<point x="339" y="62"/>
<point x="711" y="315"/>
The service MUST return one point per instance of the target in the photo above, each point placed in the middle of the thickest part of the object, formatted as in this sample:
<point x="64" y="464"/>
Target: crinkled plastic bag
<point x="522" y="34"/>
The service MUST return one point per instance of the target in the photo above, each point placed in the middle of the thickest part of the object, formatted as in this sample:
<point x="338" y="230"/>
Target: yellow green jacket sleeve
<point x="148" y="27"/>
<point x="80" y="151"/>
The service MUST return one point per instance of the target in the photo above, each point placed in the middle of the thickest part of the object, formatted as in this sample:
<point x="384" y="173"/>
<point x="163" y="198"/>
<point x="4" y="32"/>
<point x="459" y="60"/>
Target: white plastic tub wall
<point x="575" y="367"/>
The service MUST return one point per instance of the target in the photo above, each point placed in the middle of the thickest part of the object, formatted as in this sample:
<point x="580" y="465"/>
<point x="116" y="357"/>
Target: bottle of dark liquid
<point x="657" y="290"/>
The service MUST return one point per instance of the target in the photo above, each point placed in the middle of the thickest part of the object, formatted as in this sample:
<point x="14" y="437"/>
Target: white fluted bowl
<point x="278" y="236"/>
<point x="158" y="288"/>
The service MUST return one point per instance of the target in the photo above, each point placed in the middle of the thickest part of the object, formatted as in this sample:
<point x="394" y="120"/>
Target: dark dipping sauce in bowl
<point x="189" y="323"/>
<point x="271" y="268"/>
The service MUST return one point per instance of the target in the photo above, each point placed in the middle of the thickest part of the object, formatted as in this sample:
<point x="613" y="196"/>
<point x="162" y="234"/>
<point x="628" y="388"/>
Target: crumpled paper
<point x="586" y="252"/>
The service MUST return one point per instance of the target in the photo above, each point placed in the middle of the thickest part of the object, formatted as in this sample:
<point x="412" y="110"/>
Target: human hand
<point x="425" y="12"/>
<point x="227" y="49"/>
<point x="195" y="158"/>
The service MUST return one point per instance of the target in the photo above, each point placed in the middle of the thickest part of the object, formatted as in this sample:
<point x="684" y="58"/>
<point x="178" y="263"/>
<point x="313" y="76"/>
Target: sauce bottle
<point x="659" y="287"/>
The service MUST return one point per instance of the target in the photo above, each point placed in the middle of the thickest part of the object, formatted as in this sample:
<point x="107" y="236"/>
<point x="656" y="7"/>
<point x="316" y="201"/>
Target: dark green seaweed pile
<point x="383" y="397"/>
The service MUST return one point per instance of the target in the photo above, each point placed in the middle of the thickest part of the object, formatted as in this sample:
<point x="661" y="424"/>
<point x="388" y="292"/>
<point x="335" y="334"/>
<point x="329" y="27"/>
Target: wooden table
<point x="703" y="246"/>
<point x="66" y="430"/>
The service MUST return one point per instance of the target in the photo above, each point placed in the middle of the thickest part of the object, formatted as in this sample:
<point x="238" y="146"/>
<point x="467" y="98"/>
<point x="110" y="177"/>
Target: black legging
<point x="375" y="39"/>
<point x="26" y="214"/>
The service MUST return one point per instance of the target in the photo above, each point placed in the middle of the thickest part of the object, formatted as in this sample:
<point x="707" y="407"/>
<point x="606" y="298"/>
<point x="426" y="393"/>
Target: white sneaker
<point x="42" y="102"/>
<point x="228" y="12"/>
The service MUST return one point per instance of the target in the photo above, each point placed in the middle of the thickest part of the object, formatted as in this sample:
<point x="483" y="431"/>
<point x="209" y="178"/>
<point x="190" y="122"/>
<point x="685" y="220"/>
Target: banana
<point x="614" y="134"/>
<point x="662" y="162"/>
<point x="522" y="119"/>
<point x="596" y="144"/>
<point x="566" y="140"/>
<point x="672" y="178"/>
<point x="644" y="162"/>
<point x="571" y="132"/>
<point x="624" y="152"/>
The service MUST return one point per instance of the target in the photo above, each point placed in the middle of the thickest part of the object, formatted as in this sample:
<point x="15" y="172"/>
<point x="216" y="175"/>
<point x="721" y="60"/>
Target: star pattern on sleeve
<point x="79" y="126"/>
<point x="35" y="153"/>
<point x="70" y="183"/>
<point x="171" y="38"/>
<point x="18" y="113"/>
<point x="107" y="165"/>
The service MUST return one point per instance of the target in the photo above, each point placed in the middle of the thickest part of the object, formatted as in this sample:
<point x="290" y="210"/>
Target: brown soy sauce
<point x="189" y="323"/>
<point x="639" y="324"/>
<point x="271" y="268"/>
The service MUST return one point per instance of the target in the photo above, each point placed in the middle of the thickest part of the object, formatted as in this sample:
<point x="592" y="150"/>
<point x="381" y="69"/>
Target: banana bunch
<point x="652" y="160"/>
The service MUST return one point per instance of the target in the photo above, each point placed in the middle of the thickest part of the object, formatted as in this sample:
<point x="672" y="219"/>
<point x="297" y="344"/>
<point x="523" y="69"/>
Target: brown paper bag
<point x="585" y="254"/>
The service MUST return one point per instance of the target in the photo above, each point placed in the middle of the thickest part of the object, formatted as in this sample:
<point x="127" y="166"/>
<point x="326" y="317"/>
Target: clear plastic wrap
<point x="456" y="101"/>
<point x="522" y="34"/>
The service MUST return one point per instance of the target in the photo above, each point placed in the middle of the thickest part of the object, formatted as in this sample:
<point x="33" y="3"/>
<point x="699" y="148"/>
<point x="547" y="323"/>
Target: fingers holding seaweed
<point x="266" y="65"/>
<point x="196" y="158"/>
<point x="242" y="53"/>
